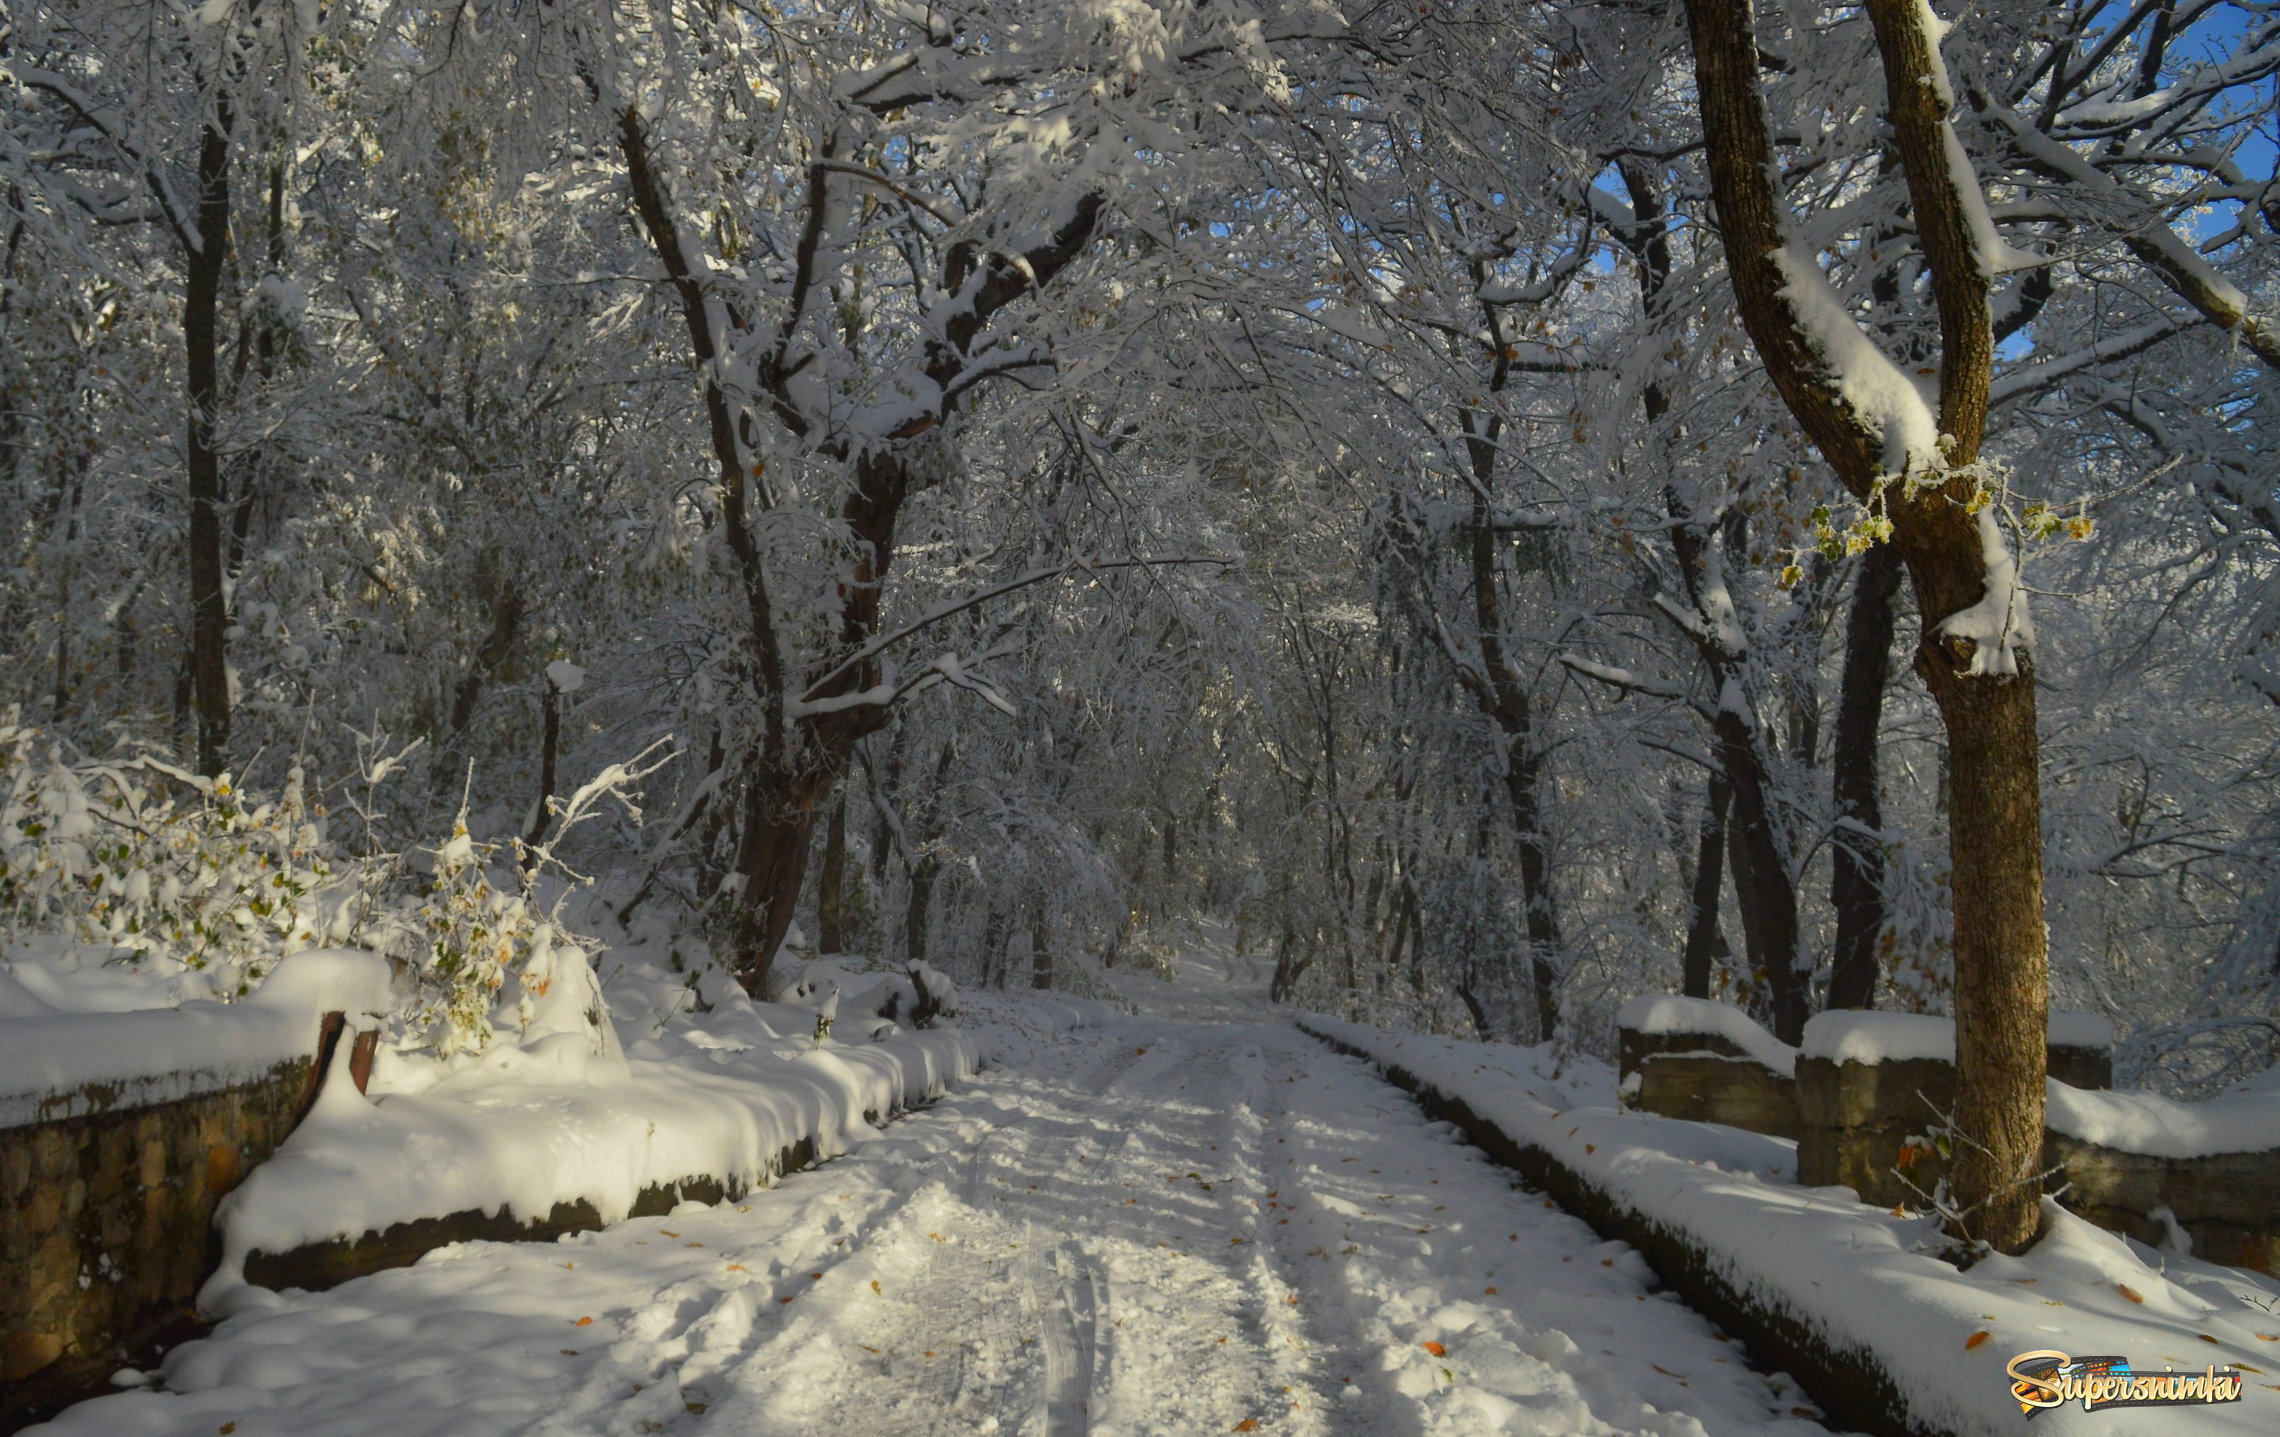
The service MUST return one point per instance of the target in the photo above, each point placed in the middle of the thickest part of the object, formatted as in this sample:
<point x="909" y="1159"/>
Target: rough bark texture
<point x="209" y="609"/>
<point x="1856" y="873"/>
<point x="1702" y="931"/>
<point x="1995" y="837"/>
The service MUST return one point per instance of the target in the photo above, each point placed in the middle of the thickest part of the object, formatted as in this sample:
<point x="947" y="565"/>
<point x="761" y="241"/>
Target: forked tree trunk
<point x="1856" y="872"/>
<point x="795" y="762"/>
<point x="1986" y="700"/>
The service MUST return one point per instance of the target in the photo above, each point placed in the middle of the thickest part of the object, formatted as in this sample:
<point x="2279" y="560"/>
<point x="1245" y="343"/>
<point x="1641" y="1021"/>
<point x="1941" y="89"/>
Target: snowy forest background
<point x="1019" y="479"/>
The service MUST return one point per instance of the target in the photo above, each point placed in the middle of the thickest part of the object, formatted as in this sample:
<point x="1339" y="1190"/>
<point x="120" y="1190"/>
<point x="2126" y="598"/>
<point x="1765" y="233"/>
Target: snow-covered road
<point x="1130" y="1225"/>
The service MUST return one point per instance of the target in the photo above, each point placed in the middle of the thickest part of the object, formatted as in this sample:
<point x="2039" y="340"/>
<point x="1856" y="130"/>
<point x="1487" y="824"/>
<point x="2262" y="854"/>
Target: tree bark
<point x="1995" y="827"/>
<point x="201" y="302"/>
<point x="1702" y="928"/>
<point x="549" y="748"/>
<point x="1856" y="874"/>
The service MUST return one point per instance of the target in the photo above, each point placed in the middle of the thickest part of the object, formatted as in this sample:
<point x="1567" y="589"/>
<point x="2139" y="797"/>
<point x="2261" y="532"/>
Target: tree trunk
<point x="1040" y="956"/>
<point x="920" y="905"/>
<point x="1709" y="880"/>
<point x="2002" y="961"/>
<point x="209" y="607"/>
<point x="1856" y="875"/>
<point x="1764" y="892"/>
<point x="834" y="875"/>
<point x="549" y="747"/>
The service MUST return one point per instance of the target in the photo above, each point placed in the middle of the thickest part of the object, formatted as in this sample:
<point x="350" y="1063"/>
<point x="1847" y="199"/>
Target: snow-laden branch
<point x="811" y="699"/>
<point x="1623" y="679"/>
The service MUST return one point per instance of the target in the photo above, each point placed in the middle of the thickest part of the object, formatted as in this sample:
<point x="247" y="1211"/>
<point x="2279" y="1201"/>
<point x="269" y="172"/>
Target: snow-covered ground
<point x="1189" y="1220"/>
<point x="1871" y="1281"/>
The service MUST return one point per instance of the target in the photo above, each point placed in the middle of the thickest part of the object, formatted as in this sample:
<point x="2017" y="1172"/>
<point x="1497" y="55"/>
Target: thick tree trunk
<point x="920" y="908"/>
<point x="549" y="749"/>
<point x="829" y="937"/>
<point x="1764" y="892"/>
<point x="201" y="302"/>
<point x="1986" y="700"/>
<point x="2002" y="961"/>
<point x="1702" y="928"/>
<point x="1856" y="874"/>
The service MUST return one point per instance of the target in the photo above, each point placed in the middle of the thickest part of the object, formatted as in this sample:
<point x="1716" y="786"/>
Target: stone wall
<point x="1869" y="1127"/>
<point x="110" y="1211"/>
<point x="1856" y="1122"/>
<point x="1707" y="1088"/>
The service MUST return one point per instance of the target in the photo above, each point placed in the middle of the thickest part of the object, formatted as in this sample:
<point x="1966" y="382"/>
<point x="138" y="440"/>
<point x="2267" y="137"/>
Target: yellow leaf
<point x="2129" y="1292"/>
<point x="1435" y="1348"/>
<point x="583" y="1322"/>
<point x="1977" y="1339"/>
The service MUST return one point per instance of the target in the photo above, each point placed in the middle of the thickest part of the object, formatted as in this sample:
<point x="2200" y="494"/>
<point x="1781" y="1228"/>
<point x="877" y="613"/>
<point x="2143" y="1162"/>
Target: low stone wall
<point x="1868" y="1126"/>
<point x="110" y="1212"/>
<point x="1856" y="1121"/>
<point x="328" y="1264"/>
<point x="1851" y="1386"/>
<point x="2227" y="1203"/>
<point x="1705" y="1088"/>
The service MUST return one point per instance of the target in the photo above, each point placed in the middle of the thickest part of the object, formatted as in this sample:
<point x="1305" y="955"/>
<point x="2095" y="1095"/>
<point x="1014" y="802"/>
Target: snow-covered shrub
<point x="160" y="864"/>
<point x="491" y="956"/>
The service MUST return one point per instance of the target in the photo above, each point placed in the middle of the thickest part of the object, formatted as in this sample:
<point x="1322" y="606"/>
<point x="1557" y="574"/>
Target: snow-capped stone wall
<point x="119" y="1135"/>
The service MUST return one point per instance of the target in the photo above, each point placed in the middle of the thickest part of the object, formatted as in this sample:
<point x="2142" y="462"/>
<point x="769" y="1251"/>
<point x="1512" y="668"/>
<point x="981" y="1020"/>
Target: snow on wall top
<point x="2080" y="1030"/>
<point x="60" y="1064"/>
<point x="2147" y="1123"/>
<point x="526" y="1129"/>
<point x="1667" y="1013"/>
<point x="1844" y="1036"/>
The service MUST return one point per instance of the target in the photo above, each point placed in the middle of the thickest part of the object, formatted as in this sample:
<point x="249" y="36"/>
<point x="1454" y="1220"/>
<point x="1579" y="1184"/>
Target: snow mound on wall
<point x="1866" y="1279"/>
<point x="569" y="1119"/>
<point x="1666" y="1014"/>
<point x="1853" y="1037"/>
<point x="49" y="1061"/>
<point x="1844" y="1036"/>
<point x="2235" y="1122"/>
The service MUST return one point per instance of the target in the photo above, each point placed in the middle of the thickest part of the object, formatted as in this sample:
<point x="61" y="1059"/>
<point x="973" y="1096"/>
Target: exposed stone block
<point x="1704" y="1088"/>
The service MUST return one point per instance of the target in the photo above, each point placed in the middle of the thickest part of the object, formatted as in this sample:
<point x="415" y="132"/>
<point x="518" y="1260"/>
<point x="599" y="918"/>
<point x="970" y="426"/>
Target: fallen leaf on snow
<point x="1248" y="1424"/>
<point x="1977" y="1339"/>
<point x="2129" y="1292"/>
<point x="1435" y="1348"/>
<point x="583" y="1322"/>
